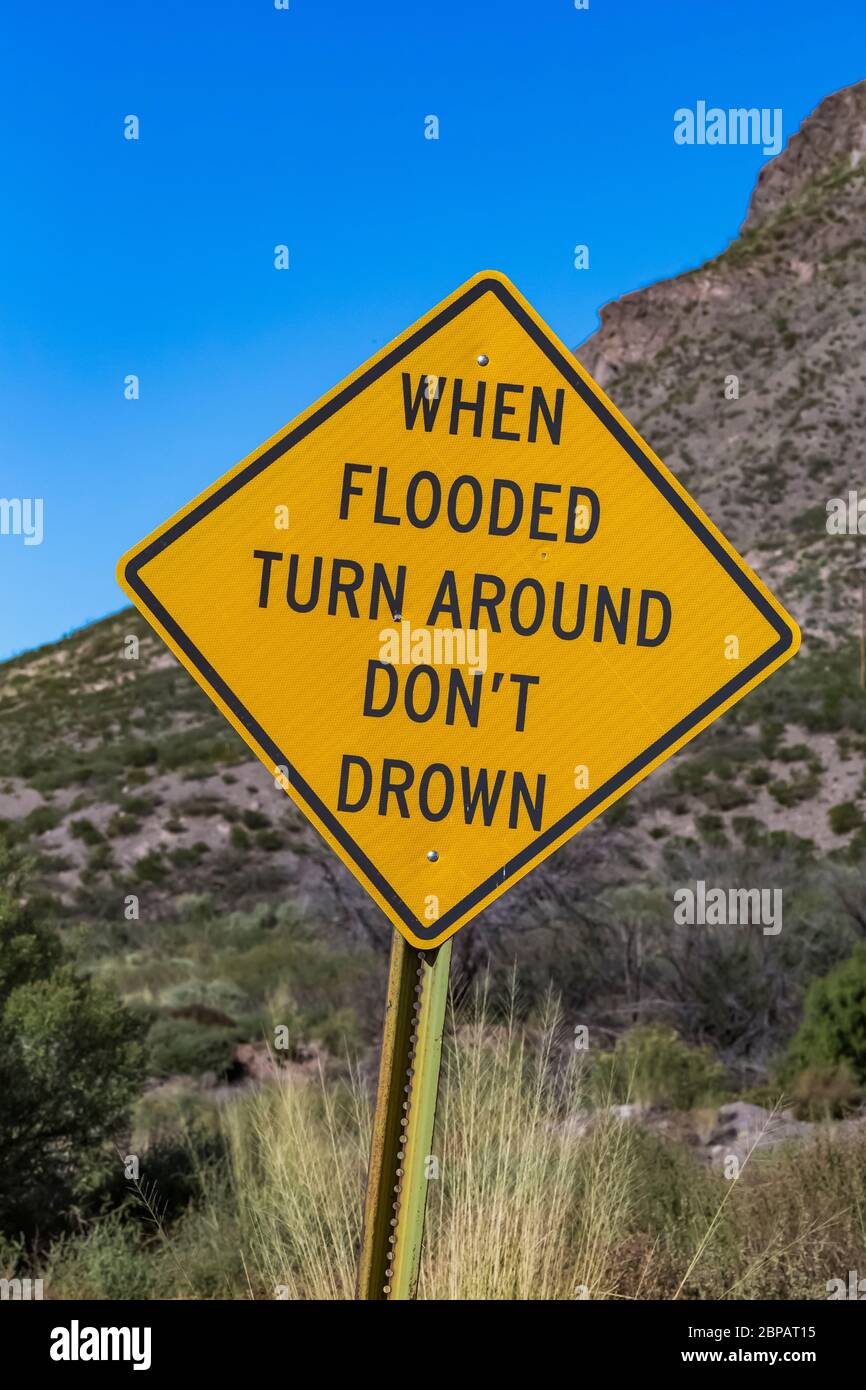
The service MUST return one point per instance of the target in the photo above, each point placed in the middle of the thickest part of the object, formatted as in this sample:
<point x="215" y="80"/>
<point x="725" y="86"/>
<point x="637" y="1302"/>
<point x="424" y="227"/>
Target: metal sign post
<point x="403" y="1121"/>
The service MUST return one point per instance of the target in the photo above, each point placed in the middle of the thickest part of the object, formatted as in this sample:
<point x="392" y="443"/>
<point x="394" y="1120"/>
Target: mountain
<point x="783" y="310"/>
<point x="119" y="778"/>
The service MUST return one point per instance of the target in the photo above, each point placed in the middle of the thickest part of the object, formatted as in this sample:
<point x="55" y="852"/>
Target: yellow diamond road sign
<point x="457" y="608"/>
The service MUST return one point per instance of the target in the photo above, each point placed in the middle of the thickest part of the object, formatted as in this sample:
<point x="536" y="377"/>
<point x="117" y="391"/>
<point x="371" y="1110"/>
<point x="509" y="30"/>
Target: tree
<point x="833" y="1031"/>
<point x="71" y="1061"/>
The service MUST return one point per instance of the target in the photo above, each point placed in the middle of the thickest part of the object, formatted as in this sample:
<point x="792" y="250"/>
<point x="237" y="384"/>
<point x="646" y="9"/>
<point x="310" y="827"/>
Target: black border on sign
<point x="421" y="930"/>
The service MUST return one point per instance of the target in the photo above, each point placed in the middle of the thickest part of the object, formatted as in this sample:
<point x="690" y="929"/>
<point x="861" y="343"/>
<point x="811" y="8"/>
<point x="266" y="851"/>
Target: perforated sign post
<point x="457" y="608"/>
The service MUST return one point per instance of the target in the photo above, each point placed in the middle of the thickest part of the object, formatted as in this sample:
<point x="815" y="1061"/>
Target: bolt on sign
<point x="457" y="608"/>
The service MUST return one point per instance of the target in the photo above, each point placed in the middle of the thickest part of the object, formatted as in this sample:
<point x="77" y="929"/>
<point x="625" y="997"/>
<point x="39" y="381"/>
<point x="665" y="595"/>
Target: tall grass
<point x="298" y="1156"/>
<point x="522" y="1209"/>
<point x="518" y="1206"/>
<point x="534" y="1196"/>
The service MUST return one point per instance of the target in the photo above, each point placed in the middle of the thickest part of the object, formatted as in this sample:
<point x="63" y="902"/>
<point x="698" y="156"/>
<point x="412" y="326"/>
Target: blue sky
<point x="306" y="127"/>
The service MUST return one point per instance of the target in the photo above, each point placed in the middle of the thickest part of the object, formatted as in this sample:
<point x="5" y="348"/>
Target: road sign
<point x="457" y="608"/>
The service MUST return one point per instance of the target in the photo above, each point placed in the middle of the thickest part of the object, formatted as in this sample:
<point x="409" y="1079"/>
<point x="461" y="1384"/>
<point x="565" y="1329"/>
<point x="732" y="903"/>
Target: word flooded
<point x="438" y="646"/>
<point x="495" y="507"/>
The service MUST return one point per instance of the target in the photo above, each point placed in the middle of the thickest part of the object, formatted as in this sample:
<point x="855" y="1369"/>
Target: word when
<point x="717" y="907"/>
<point x="430" y="392"/>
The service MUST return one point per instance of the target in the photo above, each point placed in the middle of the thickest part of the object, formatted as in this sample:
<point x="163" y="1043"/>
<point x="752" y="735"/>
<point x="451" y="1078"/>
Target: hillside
<point x="119" y="778"/>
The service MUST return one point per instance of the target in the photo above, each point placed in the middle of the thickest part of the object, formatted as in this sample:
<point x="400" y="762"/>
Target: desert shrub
<point x="269" y="839"/>
<point x="29" y="950"/>
<point x="180" y="1046"/>
<point x="70" y="1064"/>
<point x="845" y="817"/>
<point x="84" y="829"/>
<point x="791" y="793"/>
<point x="183" y="855"/>
<point x="824" y="1093"/>
<point x="238" y="837"/>
<point x="833" y="1030"/>
<point x="40" y="819"/>
<point x="150" y="868"/>
<point x="651" y="1064"/>
<point x="221" y="995"/>
<point x="712" y="828"/>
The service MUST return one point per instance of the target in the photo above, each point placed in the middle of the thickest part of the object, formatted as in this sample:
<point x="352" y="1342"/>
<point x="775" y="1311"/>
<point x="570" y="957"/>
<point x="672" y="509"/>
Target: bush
<point x="652" y="1065"/>
<point x="179" y="1046"/>
<point x="28" y="949"/>
<point x="825" y="1093"/>
<point x="845" y="817"/>
<point x="70" y="1064"/>
<point x="85" y="830"/>
<point x="833" y="1030"/>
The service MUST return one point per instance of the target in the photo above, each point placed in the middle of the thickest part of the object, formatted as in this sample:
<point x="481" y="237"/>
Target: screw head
<point x="432" y="855"/>
<point x="482" y="359"/>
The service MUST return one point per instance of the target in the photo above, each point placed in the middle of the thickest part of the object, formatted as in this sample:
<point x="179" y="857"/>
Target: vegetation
<point x="70" y="1065"/>
<point x="833" y="1031"/>
<point x="523" y="1205"/>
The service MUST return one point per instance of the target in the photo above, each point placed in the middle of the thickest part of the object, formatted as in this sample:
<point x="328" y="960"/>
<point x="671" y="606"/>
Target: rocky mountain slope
<point x="117" y="777"/>
<point x="783" y="310"/>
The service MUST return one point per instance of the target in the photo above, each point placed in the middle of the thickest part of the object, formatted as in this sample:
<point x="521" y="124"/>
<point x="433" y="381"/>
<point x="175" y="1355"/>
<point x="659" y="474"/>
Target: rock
<point x="740" y="1127"/>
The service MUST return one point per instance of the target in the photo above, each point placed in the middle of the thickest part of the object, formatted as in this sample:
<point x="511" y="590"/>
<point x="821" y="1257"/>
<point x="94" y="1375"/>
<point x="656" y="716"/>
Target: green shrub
<point x="824" y="1093"/>
<point x="40" y="819"/>
<point x="183" y="855"/>
<point x="29" y="950"/>
<point x="651" y="1064"/>
<point x="150" y="868"/>
<point x="238" y="837"/>
<point x="833" y="1030"/>
<point x="85" y="830"/>
<point x="181" y="1046"/>
<point x="845" y="817"/>
<point x="712" y="828"/>
<point x="70" y="1064"/>
<point x="223" y="995"/>
<point x="269" y="839"/>
<point x="798" y="789"/>
<point x="759" y="776"/>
